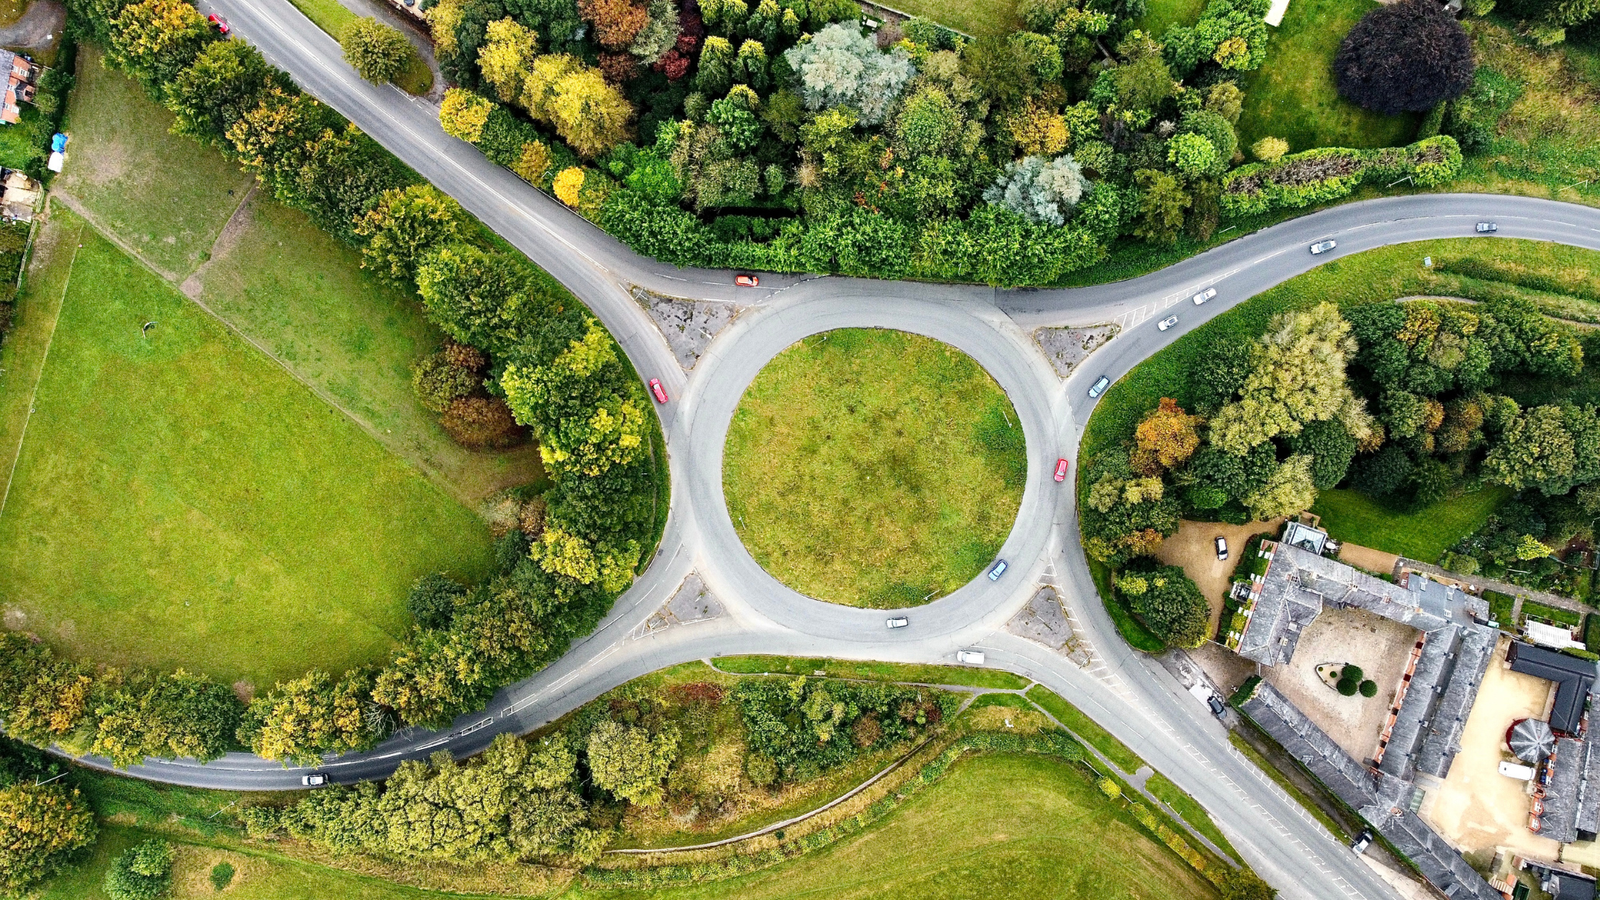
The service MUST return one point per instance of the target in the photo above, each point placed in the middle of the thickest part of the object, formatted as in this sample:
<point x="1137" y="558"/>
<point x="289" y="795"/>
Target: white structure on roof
<point x="1553" y="636"/>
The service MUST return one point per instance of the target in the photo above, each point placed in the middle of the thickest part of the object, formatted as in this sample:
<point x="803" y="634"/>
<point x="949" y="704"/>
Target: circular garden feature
<point x="874" y="468"/>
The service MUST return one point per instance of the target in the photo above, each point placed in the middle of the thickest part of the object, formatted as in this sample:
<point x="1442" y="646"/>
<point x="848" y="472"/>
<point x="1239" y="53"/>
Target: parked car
<point x="1168" y="322"/>
<point x="219" y="23"/>
<point x="1486" y="227"/>
<point x="1217" y="706"/>
<point x="899" y="622"/>
<point x="1323" y="246"/>
<point x="1061" y="470"/>
<point x="970" y="657"/>
<point x="1222" y="547"/>
<point x="998" y="569"/>
<point x="1362" y="841"/>
<point x="658" y="390"/>
<point x="1204" y="295"/>
<point x="746" y="280"/>
<point x="1099" y="387"/>
<point x="315" y="779"/>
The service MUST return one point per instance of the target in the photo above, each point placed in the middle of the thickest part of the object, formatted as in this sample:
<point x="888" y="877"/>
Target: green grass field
<point x="1086" y="728"/>
<point x="1163" y="14"/>
<point x="166" y="197"/>
<point x="874" y="468"/>
<point x="975" y="17"/>
<point x="1424" y="535"/>
<point x="1293" y="96"/>
<point x="873" y="671"/>
<point x="181" y="501"/>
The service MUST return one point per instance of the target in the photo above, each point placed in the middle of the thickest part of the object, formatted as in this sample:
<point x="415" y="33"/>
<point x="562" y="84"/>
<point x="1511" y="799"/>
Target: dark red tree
<point x="1409" y="56"/>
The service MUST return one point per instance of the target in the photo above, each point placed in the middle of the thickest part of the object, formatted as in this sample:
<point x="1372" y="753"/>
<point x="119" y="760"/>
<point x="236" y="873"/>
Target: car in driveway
<point x="658" y="390"/>
<point x="1061" y="469"/>
<point x="899" y="622"/>
<point x="746" y="281"/>
<point x="1487" y="227"/>
<point x="1362" y="841"/>
<point x="1168" y="322"/>
<point x="1099" y="386"/>
<point x="1222" y="547"/>
<point x="315" y="779"/>
<point x="970" y="657"/>
<point x="219" y="23"/>
<point x="1204" y="295"/>
<point x="1323" y="246"/>
<point x="998" y="569"/>
<point x="1216" y="706"/>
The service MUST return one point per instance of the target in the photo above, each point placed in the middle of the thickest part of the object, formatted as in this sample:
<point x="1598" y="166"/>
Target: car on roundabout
<point x="998" y="569"/>
<point x="970" y="657"/>
<point x="746" y="281"/>
<point x="1099" y="386"/>
<point x="1168" y="322"/>
<point x="315" y="779"/>
<point x="1487" y="227"/>
<point x="1061" y="469"/>
<point x="659" y="391"/>
<point x="1323" y="247"/>
<point x="899" y="622"/>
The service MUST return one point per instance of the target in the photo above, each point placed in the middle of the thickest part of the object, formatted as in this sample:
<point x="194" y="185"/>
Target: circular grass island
<point x="874" y="468"/>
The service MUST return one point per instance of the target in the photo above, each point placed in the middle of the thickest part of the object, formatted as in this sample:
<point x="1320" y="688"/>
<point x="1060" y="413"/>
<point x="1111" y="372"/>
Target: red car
<point x="219" y="23"/>
<point x="746" y="280"/>
<point x="1061" y="470"/>
<point x="658" y="390"/>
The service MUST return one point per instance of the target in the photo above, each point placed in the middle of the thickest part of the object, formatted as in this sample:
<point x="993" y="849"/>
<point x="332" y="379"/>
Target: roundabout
<point x="874" y="468"/>
<point x="1130" y="695"/>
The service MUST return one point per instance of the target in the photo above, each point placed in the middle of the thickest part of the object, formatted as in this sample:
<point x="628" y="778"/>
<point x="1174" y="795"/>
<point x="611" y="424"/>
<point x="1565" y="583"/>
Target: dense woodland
<point x="525" y="355"/>
<point x="778" y="135"/>
<point x="1410" y="403"/>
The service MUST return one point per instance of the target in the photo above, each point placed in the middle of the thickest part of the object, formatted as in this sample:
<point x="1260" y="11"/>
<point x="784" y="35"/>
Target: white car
<point x="315" y="779"/>
<point x="1222" y="547"/>
<point x="1204" y="295"/>
<point x="899" y="622"/>
<point x="1168" y="322"/>
<point x="1323" y="246"/>
<point x="1487" y="227"/>
<point x="970" y="657"/>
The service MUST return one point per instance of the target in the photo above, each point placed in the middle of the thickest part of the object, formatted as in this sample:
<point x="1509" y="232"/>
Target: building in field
<point x="22" y="83"/>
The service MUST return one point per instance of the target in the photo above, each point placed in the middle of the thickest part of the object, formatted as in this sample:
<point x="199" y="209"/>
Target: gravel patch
<point x="1067" y="347"/>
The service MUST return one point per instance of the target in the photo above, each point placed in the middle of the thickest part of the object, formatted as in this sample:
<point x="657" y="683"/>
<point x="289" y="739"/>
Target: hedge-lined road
<point x="1124" y="691"/>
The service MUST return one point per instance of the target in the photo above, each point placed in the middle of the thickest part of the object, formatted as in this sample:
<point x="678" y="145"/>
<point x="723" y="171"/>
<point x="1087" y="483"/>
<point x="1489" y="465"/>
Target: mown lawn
<point x="1163" y="14"/>
<point x="1292" y="95"/>
<point x="873" y="671"/>
<point x="167" y="197"/>
<point x="874" y="468"/>
<point x="975" y="17"/>
<point x="1086" y="728"/>
<point x="182" y="501"/>
<point x="1019" y="826"/>
<point x="352" y="334"/>
<point x="1424" y="535"/>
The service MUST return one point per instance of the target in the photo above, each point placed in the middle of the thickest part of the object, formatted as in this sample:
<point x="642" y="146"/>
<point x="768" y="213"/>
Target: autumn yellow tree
<point x="463" y="114"/>
<point x="506" y="56"/>
<point x="1166" y="438"/>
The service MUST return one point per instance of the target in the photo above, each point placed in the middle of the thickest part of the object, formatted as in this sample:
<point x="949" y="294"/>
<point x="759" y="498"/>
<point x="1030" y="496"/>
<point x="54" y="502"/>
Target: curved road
<point x="1125" y="692"/>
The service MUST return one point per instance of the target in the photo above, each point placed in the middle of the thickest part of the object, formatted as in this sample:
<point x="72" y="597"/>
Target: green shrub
<point x="1347" y="687"/>
<point x="1369" y="688"/>
<point x="1353" y="673"/>
<point x="142" y="872"/>
<point x="221" y="875"/>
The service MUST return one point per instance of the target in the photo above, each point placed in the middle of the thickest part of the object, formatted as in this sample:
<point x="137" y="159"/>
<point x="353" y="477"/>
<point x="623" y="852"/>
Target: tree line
<point x="527" y="344"/>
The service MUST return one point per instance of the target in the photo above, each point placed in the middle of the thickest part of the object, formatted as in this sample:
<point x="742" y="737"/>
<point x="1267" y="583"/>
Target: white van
<point x="970" y="657"/>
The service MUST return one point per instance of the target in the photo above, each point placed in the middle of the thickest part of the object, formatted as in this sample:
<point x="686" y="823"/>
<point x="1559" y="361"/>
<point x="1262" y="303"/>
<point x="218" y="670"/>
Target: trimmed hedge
<point x="1329" y="173"/>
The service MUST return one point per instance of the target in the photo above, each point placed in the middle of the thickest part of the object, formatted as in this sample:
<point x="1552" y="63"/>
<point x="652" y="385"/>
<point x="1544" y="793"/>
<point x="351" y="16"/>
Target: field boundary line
<point x="44" y="360"/>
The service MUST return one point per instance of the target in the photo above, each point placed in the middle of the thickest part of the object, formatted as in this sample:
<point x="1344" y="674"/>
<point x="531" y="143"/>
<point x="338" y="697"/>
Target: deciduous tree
<point x="377" y="52"/>
<point x="630" y="762"/>
<point x="1408" y="56"/>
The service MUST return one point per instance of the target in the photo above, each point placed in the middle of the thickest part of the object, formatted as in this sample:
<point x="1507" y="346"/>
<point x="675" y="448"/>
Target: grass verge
<point x="331" y="16"/>
<point x="180" y="500"/>
<point x="1190" y="810"/>
<point x="1086" y="729"/>
<point x="1423" y="535"/>
<point x="874" y="468"/>
<point x="904" y="673"/>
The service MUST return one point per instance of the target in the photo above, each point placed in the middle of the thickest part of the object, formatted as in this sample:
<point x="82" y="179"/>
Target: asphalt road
<point x="1124" y="691"/>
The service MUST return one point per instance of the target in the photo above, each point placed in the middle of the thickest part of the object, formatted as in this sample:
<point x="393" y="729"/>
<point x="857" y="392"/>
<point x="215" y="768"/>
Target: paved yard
<point x="1194" y="548"/>
<point x="1477" y="809"/>
<point x="1379" y="646"/>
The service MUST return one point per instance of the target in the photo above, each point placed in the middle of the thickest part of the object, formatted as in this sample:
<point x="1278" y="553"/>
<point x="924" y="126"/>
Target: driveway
<point x="39" y="28"/>
<point x="1194" y="548"/>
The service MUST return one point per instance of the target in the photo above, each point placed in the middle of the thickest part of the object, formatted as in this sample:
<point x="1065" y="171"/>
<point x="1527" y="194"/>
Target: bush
<point x="142" y="872"/>
<point x="221" y="876"/>
<point x="433" y="600"/>
<point x="376" y="51"/>
<point x="1369" y="688"/>
<point x="1347" y="687"/>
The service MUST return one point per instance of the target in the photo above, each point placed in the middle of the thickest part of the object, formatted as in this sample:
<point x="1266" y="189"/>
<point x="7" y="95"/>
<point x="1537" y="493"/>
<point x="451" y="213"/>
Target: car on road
<point x="746" y="280"/>
<point x="315" y="779"/>
<point x="658" y="390"/>
<point x="1323" y="246"/>
<point x="1168" y="322"/>
<point x="1061" y="469"/>
<point x="219" y="23"/>
<point x="970" y="657"/>
<point x="899" y="622"/>
<point x="1222" y="547"/>
<point x="1362" y="841"/>
<point x="1204" y="295"/>
<point x="1486" y="227"/>
<point x="1099" y="387"/>
<point x="998" y="569"/>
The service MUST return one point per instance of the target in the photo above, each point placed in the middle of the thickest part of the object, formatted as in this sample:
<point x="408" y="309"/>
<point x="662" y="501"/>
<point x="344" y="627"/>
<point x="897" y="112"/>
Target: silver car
<point x="1099" y="387"/>
<point x="1323" y="246"/>
<point x="315" y="779"/>
<point x="1204" y="295"/>
<point x="1168" y="322"/>
<point x="1486" y="227"/>
<point x="899" y="622"/>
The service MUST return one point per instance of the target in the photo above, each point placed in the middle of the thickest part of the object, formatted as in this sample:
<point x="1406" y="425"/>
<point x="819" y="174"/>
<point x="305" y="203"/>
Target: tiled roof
<point x="1574" y="678"/>
<point x="1559" y="822"/>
